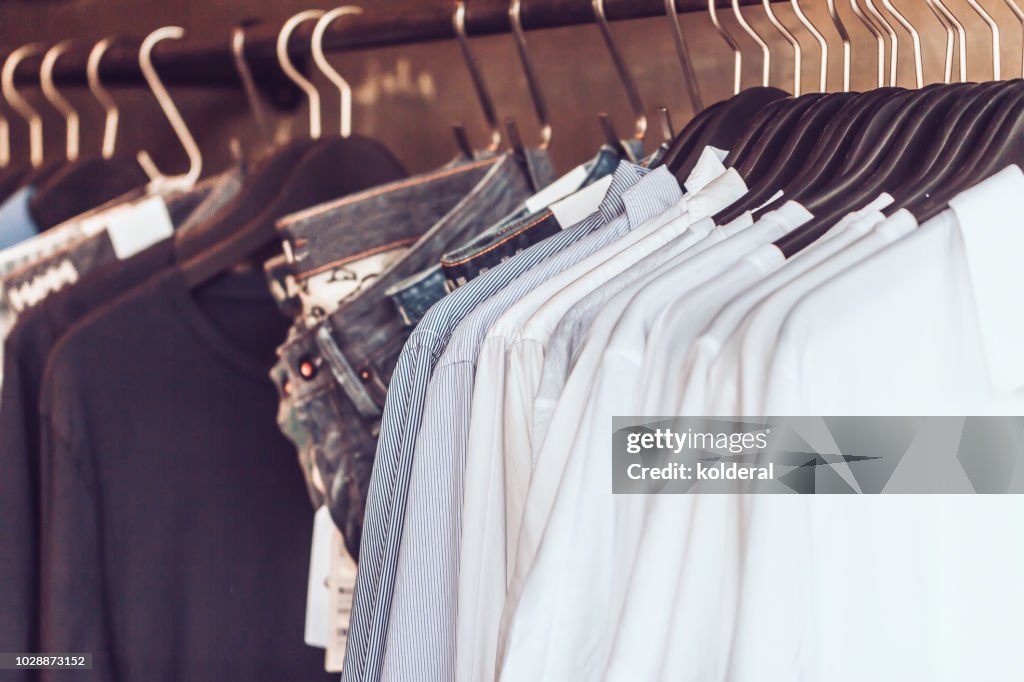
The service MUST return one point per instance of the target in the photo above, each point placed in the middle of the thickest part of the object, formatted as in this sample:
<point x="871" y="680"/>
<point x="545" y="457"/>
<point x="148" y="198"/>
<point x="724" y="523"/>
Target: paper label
<point x="318" y="593"/>
<point x="137" y="227"/>
<point x="559" y="189"/>
<point x="343" y="586"/>
<point x="578" y="206"/>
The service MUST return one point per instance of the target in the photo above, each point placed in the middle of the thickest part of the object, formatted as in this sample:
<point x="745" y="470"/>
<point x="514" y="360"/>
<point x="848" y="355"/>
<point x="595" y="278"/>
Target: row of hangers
<point x="764" y="134"/>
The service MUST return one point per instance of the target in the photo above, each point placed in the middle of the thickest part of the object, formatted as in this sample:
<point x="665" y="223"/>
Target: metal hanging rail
<point x="383" y="23"/>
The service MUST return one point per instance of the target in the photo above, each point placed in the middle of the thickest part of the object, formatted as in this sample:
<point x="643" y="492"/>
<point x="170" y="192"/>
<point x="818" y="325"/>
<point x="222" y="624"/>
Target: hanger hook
<point x="737" y="67"/>
<point x="536" y="93"/>
<point x="163" y="98"/>
<point x="22" y="105"/>
<point x="961" y="37"/>
<point x="994" y="28"/>
<point x="683" y="52"/>
<point x="113" y="114"/>
<point x="248" y="82"/>
<point x="947" y="70"/>
<point x="329" y="71"/>
<point x="621" y="67"/>
<point x="1019" y="13"/>
<point x="793" y="42"/>
<point x="59" y="102"/>
<point x="894" y="39"/>
<point x="766" y="55"/>
<point x="476" y="75"/>
<point x="822" y="45"/>
<point x="915" y="40"/>
<point x="844" y="36"/>
<point x="312" y="94"/>
<point x="879" y="39"/>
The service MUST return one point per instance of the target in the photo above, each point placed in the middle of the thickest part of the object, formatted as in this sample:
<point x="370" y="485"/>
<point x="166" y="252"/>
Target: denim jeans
<point x="333" y="375"/>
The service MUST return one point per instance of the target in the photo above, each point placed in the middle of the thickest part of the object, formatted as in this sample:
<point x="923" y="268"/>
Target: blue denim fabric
<point x="337" y="372"/>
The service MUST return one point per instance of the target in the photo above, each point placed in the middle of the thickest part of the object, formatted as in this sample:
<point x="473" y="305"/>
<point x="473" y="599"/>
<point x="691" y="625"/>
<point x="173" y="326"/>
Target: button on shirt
<point x="400" y="422"/>
<point x="562" y="627"/>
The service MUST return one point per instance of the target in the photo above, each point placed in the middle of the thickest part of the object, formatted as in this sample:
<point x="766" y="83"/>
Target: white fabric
<point x="736" y="378"/>
<point x="525" y="355"/>
<point x="577" y="206"/>
<point x="898" y="587"/>
<point x="483" y="574"/>
<point x="561" y="627"/>
<point x="610" y="300"/>
<point x="694" y="380"/>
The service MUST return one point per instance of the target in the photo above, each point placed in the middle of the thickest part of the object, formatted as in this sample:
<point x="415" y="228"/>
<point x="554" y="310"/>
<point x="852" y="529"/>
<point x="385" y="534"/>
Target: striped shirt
<point x="400" y="423"/>
<point x="422" y="629"/>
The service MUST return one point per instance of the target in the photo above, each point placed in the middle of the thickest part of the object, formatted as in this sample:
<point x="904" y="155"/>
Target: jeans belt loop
<point x="345" y="375"/>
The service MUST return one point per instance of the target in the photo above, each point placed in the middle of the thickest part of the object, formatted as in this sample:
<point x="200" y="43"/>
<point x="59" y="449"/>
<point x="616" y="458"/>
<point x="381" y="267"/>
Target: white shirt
<point x="737" y="377"/>
<point x="566" y="340"/>
<point x="482" y="578"/>
<point x="694" y="380"/>
<point x="928" y="585"/>
<point x="562" y="627"/>
<point x="524" y="358"/>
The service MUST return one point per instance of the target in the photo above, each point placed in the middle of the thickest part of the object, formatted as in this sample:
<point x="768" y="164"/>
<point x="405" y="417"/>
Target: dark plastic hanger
<point x="258" y="190"/>
<point x="765" y="147"/>
<point x="11" y="179"/>
<point x="727" y="126"/>
<point x="685" y="140"/>
<point x="953" y="141"/>
<point x="831" y="148"/>
<point x="76" y="187"/>
<point x="902" y="144"/>
<point x="330" y="170"/>
<point x="1001" y="144"/>
<point x="786" y="156"/>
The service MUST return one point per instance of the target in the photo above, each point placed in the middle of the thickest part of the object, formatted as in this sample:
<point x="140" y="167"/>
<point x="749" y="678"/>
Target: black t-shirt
<point x="25" y="351"/>
<point x="175" y="526"/>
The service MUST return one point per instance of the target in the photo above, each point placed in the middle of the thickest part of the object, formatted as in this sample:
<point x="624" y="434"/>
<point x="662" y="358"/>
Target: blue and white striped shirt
<point x="400" y="424"/>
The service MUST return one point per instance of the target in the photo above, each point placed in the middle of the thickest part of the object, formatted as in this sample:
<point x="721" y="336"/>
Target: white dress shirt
<point x="898" y="587"/>
<point x="565" y="341"/>
<point x="562" y="627"/>
<point x="693" y="382"/>
<point x="524" y="358"/>
<point x="482" y="567"/>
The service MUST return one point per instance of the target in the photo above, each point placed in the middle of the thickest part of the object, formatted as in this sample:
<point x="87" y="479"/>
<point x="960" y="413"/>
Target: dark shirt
<point x="25" y="351"/>
<point x="175" y="526"/>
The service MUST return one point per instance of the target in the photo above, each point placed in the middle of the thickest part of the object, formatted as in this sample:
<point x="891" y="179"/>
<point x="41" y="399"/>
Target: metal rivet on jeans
<point x="307" y="368"/>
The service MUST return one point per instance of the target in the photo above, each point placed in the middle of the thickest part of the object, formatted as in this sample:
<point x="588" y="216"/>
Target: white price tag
<point x="139" y="226"/>
<point x="318" y="593"/>
<point x="343" y="586"/>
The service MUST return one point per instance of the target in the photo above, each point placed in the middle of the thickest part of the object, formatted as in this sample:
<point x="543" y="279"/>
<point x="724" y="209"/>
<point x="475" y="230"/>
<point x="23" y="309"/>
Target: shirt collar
<point x="726" y="188"/>
<point x="626" y="175"/>
<point x="652" y="195"/>
<point x="709" y="166"/>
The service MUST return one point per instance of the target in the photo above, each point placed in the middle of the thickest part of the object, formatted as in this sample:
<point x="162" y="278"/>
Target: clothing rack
<point x="209" y="64"/>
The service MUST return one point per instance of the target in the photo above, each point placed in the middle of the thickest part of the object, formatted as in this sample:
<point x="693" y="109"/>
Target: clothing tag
<point x="559" y="189"/>
<point x="326" y="291"/>
<point x="343" y="585"/>
<point x="989" y="216"/>
<point x="318" y="594"/>
<point x="578" y="206"/>
<point x="138" y="226"/>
